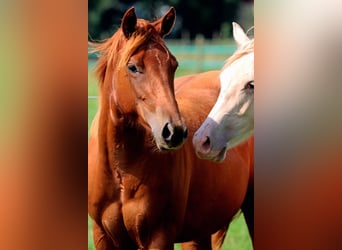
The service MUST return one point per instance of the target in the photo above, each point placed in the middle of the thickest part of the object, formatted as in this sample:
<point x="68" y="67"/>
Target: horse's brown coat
<point x="141" y="197"/>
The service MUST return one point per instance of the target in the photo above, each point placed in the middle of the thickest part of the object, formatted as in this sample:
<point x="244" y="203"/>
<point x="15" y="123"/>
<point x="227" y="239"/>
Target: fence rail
<point x="200" y="55"/>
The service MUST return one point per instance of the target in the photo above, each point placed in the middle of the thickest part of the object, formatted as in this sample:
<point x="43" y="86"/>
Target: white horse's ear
<point x="240" y="36"/>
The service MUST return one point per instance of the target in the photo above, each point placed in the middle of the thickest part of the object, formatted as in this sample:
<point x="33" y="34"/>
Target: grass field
<point x="237" y="238"/>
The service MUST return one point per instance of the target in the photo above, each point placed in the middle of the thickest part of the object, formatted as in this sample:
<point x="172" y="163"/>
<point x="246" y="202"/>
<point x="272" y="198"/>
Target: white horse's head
<point x="231" y="120"/>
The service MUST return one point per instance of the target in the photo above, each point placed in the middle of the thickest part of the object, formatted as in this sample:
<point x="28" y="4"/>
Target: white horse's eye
<point x="249" y="85"/>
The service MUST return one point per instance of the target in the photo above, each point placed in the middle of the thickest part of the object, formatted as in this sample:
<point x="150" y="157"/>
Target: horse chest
<point x="146" y="207"/>
<point x="148" y="196"/>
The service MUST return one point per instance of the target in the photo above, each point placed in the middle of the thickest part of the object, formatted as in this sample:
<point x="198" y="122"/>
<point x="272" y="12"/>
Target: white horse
<point x="231" y="120"/>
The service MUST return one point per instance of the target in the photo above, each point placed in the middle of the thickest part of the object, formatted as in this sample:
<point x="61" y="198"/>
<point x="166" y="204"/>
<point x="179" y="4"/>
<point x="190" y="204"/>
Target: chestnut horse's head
<point x="137" y="70"/>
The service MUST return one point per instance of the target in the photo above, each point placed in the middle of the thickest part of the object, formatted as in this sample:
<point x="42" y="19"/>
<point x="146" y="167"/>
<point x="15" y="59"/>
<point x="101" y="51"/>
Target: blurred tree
<point x="194" y="17"/>
<point x="206" y="16"/>
<point x="104" y="17"/>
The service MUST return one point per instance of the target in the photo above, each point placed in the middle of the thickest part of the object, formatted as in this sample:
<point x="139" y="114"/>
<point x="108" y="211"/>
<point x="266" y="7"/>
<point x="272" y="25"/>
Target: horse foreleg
<point x="161" y="240"/>
<point x="248" y="211"/>
<point x="101" y="239"/>
<point x="217" y="238"/>
<point x="200" y="244"/>
<point x="113" y="224"/>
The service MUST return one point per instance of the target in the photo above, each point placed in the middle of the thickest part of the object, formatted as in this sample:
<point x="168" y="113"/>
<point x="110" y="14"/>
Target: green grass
<point x="237" y="237"/>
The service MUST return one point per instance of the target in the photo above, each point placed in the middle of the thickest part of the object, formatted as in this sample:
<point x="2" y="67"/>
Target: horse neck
<point x="125" y="137"/>
<point x="122" y="134"/>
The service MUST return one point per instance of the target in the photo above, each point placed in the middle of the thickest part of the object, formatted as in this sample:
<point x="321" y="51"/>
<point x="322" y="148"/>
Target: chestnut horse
<point x="231" y="120"/>
<point x="146" y="190"/>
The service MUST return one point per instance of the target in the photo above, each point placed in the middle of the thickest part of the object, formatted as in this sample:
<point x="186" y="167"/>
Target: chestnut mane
<point x="117" y="50"/>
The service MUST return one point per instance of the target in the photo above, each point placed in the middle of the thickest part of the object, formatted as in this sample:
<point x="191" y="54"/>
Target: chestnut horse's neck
<point x="122" y="134"/>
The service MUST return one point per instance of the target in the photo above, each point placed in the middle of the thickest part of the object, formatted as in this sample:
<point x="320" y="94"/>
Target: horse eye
<point x="250" y="85"/>
<point x="132" y="68"/>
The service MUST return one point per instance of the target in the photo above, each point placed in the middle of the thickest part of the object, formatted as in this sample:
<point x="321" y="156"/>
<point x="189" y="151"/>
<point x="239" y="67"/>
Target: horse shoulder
<point x="103" y="184"/>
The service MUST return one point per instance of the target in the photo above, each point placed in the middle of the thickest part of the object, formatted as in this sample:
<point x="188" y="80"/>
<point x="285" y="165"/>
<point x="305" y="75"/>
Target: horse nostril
<point x="206" y="144"/>
<point x="174" y="136"/>
<point x="166" y="133"/>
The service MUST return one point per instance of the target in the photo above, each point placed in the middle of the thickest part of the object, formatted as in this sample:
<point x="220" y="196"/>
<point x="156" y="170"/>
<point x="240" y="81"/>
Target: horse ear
<point x="240" y="36"/>
<point x="129" y="22"/>
<point x="166" y="23"/>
